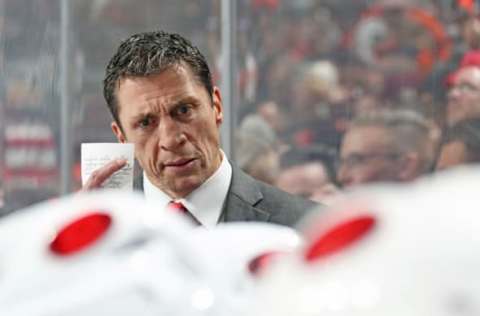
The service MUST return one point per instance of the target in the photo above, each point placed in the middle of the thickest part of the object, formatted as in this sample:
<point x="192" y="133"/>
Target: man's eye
<point x="184" y="109"/>
<point x="145" y="122"/>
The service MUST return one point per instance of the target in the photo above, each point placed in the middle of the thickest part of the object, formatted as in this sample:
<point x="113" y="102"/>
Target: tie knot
<point x="177" y="207"/>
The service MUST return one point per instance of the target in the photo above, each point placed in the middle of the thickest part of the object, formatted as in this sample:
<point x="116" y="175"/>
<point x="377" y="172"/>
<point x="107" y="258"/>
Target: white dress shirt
<point x="204" y="203"/>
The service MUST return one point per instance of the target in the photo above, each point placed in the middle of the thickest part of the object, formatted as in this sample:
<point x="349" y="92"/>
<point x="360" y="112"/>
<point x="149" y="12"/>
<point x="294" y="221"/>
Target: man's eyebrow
<point x="185" y="100"/>
<point x="141" y="115"/>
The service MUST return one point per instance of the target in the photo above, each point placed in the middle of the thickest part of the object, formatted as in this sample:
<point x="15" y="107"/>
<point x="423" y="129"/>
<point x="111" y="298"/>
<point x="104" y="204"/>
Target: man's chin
<point x="183" y="187"/>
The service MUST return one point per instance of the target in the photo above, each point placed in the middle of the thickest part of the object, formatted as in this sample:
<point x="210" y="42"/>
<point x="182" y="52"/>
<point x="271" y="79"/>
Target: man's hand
<point x="100" y="175"/>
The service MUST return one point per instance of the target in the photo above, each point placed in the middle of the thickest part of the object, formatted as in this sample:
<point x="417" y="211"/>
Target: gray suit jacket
<point x="251" y="200"/>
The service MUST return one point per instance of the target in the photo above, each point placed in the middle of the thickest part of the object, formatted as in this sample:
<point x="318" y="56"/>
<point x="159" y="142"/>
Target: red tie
<point x="179" y="208"/>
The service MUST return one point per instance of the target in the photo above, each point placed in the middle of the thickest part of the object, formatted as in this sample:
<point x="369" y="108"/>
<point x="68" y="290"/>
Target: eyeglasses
<point x="359" y="159"/>
<point x="464" y="88"/>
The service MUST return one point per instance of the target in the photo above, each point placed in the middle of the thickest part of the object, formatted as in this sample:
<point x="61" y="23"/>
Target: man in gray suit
<point x="159" y="90"/>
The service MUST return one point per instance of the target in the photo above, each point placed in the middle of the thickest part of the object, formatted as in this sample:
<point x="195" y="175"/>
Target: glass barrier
<point x="31" y="89"/>
<point x="329" y="93"/>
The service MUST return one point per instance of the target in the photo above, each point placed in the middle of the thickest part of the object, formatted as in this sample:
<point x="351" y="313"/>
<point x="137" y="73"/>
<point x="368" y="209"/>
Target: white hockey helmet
<point x="387" y="250"/>
<point x="106" y="253"/>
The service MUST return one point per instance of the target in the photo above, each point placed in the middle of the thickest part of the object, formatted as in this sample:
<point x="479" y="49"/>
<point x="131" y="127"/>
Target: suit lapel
<point x="242" y="198"/>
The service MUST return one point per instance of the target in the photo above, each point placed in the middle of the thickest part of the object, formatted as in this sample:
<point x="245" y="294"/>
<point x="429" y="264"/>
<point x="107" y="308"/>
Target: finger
<point x="98" y="177"/>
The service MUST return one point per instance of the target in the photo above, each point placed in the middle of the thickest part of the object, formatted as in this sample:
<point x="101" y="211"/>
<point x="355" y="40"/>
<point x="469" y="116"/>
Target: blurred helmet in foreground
<point x="106" y="253"/>
<point x="113" y="253"/>
<point x="392" y="250"/>
<point x="241" y="246"/>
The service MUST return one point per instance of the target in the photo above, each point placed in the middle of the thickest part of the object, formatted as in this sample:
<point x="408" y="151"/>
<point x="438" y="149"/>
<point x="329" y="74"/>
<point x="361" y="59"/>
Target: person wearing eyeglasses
<point x="385" y="146"/>
<point x="464" y="94"/>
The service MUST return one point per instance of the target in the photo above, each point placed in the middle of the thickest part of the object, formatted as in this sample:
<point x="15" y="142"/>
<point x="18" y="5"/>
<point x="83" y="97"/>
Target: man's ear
<point x="217" y="105"/>
<point x="409" y="166"/>
<point x="118" y="132"/>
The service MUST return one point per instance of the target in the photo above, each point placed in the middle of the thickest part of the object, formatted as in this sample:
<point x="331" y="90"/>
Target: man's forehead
<point x="367" y="137"/>
<point x="469" y="74"/>
<point x="360" y="132"/>
<point x="170" y="83"/>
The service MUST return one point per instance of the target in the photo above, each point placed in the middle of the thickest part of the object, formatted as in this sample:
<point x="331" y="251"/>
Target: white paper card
<point x="97" y="155"/>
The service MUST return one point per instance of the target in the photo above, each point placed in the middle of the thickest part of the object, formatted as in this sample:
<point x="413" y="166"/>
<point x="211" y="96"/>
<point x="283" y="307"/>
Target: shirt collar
<point x="206" y="202"/>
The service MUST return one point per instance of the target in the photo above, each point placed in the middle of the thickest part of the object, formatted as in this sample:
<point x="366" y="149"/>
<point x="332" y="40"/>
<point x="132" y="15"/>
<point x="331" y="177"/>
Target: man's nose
<point x="453" y="92"/>
<point x="170" y="134"/>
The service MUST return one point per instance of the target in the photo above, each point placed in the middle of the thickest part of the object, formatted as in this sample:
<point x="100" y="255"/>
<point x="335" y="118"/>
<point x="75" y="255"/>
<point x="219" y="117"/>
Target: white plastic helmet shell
<point x="420" y="257"/>
<point x="142" y="264"/>
<point x="236" y="245"/>
<point x="239" y="243"/>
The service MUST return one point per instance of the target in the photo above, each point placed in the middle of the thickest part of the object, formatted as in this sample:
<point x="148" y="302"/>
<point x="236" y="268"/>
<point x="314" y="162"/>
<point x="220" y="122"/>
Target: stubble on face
<point x="177" y="139"/>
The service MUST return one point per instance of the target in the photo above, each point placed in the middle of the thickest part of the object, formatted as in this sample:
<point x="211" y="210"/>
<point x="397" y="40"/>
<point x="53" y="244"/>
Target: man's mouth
<point x="180" y="163"/>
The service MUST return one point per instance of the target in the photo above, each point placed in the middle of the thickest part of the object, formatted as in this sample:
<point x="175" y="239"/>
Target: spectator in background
<point x="387" y="145"/>
<point x="271" y="113"/>
<point x="268" y="110"/>
<point x="308" y="173"/>
<point x="461" y="145"/>
<point x="256" y="150"/>
<point x="317" y="91"/>
<point x="401" y="37"/>
<point x="464" y="95"/>
<point x="317" y="105"/>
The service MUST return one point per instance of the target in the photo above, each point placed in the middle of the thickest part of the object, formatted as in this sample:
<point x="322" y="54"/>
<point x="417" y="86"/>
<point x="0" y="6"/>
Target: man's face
<point x="464" y="96"/>
<point x="266" y="166"/>
<point x="452" y="154"/>
<point x="367" y="155"/>
<point x="304" y="180"/>
<point x="173" y="122"/>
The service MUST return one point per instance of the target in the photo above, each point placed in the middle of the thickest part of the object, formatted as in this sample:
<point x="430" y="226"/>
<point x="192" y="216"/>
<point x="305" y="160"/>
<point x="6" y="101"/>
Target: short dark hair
<point x="321" y="153"/>
<point x="151" y="53"/>
<point x="410" y="130"/>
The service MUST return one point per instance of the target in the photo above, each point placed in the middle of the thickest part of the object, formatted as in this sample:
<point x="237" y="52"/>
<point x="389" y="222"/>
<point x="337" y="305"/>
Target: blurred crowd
<point x="311" y="76"/>
<point x="360" y="91"/>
